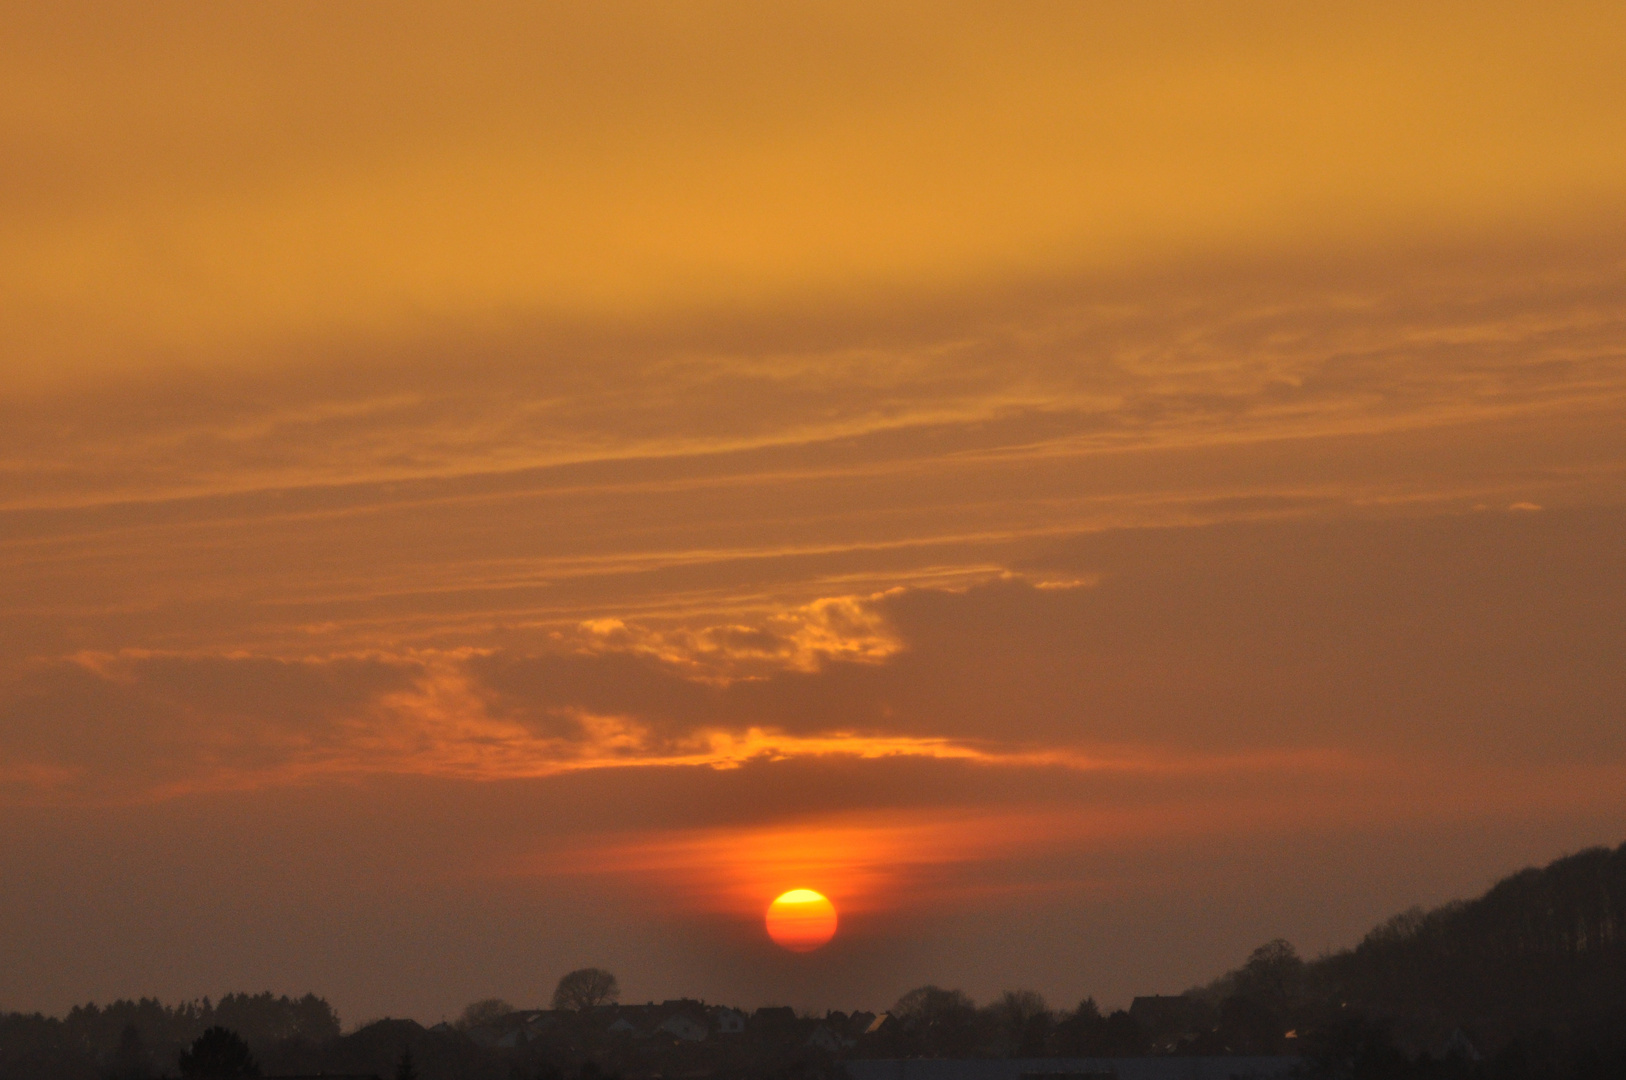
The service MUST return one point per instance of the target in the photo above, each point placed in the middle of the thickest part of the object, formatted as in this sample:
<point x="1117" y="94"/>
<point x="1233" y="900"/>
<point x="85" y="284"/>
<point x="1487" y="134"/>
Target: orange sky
<point x="487" y="491"/>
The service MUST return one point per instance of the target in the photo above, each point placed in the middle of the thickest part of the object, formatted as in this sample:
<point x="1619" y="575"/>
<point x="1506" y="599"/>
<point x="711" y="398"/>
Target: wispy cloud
<point x="139" y="725"/>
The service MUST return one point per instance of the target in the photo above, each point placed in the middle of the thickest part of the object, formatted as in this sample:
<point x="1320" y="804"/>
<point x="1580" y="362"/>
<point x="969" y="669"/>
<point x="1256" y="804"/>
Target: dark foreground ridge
<point x="1147" y="1067"/>
<point x="1528" y="981"/>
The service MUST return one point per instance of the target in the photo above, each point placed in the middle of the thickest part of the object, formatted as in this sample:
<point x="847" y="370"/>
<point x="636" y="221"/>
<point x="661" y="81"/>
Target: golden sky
<point x="490" y="489"/>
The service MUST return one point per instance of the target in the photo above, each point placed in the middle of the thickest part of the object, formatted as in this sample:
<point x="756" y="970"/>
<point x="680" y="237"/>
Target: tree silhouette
<point x="218" y="1054"/>
<point x="130" y="1061"/>
<point x="941" y="1022"/>
<point x="1542" y="948"/>
<point x="1274" y="975"/>
<point x="485" y="1011"/>
<point x="927" y="1004"/>
<point x="1023" y="1020"/>
<point x="1087" y="1033"/>
<point x="1266" y="999"/>
<point x="584" y="988"/>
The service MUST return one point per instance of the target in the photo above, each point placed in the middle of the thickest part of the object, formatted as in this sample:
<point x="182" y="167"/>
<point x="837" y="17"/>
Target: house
<point x="823" y="1038"/>
<point x="860" y="1024"/>
<point x="726" y="1021"/>
<point x="624" y="1024"/>
<point x="684" y="1025"/>
<point x="541" y="1020"/>
<point x="602" y="1015"/>
<point x="880" y="1024"/>
<point x="774" y="1018"/>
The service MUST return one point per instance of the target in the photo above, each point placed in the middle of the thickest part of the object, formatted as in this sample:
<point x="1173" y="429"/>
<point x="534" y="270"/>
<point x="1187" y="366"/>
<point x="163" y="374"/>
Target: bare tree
<point x="483" y="1012"/>
<point x="926" y="1004"/>
<point x="584" y="988"/>
<point x="1023" y="1020"/>
<point x="1274" y="975"/>
<point x="940" y="1022"/>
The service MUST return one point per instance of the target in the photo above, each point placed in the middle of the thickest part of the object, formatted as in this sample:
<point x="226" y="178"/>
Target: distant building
<point x="540" y="1020"/>
<point x="774" y="1020"/>
<point x="882" y="1023"/>
<point x="625" y="1024"/>
<point x="684" y="1025"/>
<point x="726" y="1021"/>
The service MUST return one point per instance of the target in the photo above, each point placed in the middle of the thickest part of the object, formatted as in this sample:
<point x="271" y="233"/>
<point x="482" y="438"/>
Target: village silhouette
<point x="1527" y="981"/>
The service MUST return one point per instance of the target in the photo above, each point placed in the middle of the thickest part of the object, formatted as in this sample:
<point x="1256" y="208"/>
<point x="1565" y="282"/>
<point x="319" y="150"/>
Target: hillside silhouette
<point x="1543" y="948"/>
<point x="1536" y="966"/>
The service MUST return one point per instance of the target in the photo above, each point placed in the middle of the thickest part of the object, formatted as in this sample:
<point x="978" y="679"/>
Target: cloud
<point x="110" y="727"/>
<point x="114" y="728"/>
<point x="233" y="181"/>
<point x="1067" y="366"/>
<point x="838" y="628"/>
<point x="488" y="488"/>
<point x="1235" y="650"/>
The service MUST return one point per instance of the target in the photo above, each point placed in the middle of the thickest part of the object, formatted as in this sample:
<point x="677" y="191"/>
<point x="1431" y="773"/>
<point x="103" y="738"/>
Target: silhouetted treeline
<point x="1527" y="980"/>
<point x="1543" y="948"/>
<point x="931" y="1022"/>
<point x="129" y="1040"/>
<point x="276" y="1037"/>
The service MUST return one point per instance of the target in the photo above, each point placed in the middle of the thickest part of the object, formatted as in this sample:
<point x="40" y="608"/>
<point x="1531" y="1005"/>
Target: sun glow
<point x="801" y="920"/>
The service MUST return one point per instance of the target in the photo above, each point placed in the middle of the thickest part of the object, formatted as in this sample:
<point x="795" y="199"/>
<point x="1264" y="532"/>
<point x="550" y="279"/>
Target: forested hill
<point x="1538" y="960"/>
<point x="1543" y="948"/>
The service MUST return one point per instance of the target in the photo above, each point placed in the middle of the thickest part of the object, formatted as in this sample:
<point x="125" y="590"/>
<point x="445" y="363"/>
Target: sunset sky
<point x="1089" y="488"/>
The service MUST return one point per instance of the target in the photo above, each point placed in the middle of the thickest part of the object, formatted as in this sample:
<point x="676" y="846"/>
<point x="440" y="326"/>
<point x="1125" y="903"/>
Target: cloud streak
<point x="140" y="726"/>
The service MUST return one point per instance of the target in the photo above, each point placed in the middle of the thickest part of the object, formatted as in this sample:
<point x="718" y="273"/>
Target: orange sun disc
<point x="801" y="920"/>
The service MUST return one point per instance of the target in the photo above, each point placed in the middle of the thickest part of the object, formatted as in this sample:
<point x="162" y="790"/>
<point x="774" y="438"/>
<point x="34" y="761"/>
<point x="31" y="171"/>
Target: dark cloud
<point x="113" y="728"/>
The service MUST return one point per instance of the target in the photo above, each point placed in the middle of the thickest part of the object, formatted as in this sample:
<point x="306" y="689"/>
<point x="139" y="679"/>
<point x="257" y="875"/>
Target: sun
<point x="801" y="920"/>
